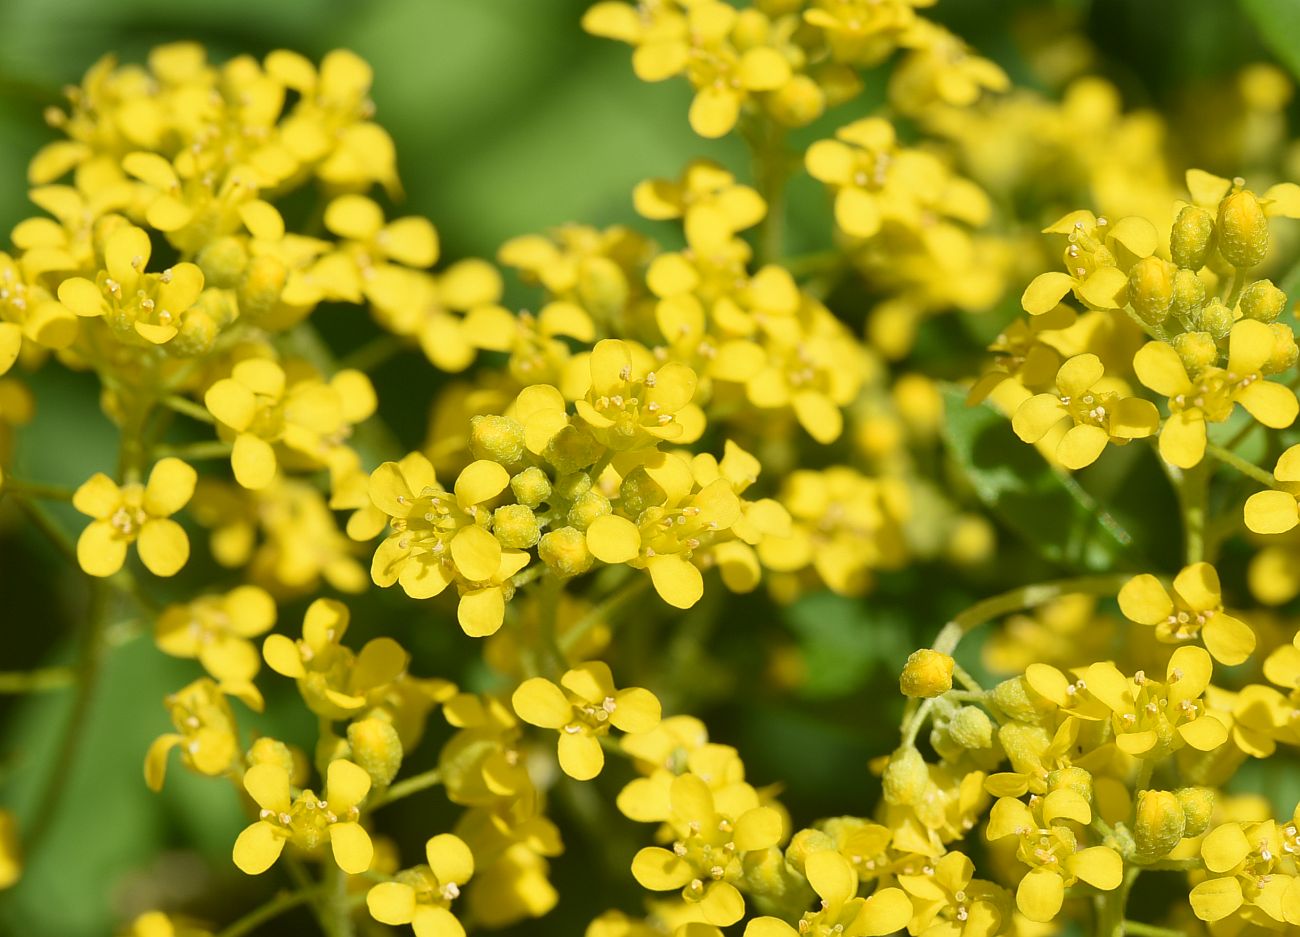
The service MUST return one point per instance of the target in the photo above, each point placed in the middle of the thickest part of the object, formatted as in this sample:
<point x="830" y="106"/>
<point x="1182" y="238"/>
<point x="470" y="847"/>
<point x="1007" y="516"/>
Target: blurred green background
<point x="507" y="120"/>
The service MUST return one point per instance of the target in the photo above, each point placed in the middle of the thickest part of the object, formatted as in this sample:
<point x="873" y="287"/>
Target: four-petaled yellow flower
<point x="1277" y="511"/>
<point x="1193" y="610"/>
<point x="634" y="402"/>
<point x="583" y="708"/>
<point x="306" y="820"/>
<point x="422" y="896"/>
<point x="135" y="513"/>
<point x="1097" y="415"/>
<point x="216" y="628"/>
<point x="842" y="912"/>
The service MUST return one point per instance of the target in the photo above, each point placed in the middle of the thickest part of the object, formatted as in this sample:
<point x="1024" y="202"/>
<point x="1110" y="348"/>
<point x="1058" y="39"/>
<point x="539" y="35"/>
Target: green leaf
<point x="1278" y="23"/>
<point x="843" y="641"/>
<point x="1048" y="508"/>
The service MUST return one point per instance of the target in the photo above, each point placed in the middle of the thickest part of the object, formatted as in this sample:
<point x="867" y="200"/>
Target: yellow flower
<point x="863" y="32"/>
<point x="633" y="404"/>
<point x="583" y="708"/>
<point x="422" y="896"/>
<point x="135" y="513"/>
<point x="842" y="911"/>
<point x="1252" y="873"/>
<point x="360" y="267"/>
<point x="712" y="839"/>
<point x="1096" y="258"/>
<point x="440" y="537"/>
<point x="151" y="305"/>
<point x="205" y="730"/>
<point x="216" y="628"/>
<point x="157" y="924"/>
<point x="952" y="901"/>
<point x="306" y="820"/>
<point x="261" y="405"/>
<point x="1194" y="610"/>
<point x="1215" y="391"/>
<point x="1098" y="416"/>
<point x="1276" y="511"/>
<point x="708" y="199"/>
<point x="481" y="764"/>
<point x="1050" y="847"/>
<point x="27" y="310"/>
<point x="334" y="682"/>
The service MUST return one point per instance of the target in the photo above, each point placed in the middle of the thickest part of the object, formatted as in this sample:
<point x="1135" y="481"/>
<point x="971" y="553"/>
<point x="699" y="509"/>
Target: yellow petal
<point x="164" y="547"/>
<point x="481" y="481"/>
<point x="268" y="785"/>
<point x="759" y="828"/>
<point x="1273" y="404"/>
<point x="282" y="656"/>
<point x="354" y="216"/>
<point x="346" y="785"/>
<point x="885" y="912"/>
<point x="1271" y="512"/>
<point x="1182" y="441"/>
<point x="581" y="756"/>
<point x="481" y="611"/>
<point x="391" y="903"/>
<point x="1145" y="601"/>
<point x="1216" y="898"/>
<point x="352" y="848"/>
<point x="1225" y="847"/>
<point x="99" y="550"/>
<point x="1081" y="445"/>
<point x="253" y="461"/>
<point x="82" y="297"/>
<point x="1045" y="291"/>
<point x="98" y="496"/>
<point x="540" y="702"/>
<point x="170" y="487"/>
<point x="831" y="876"/>
<point x="714" y="111"/>
<point x="1159" y="367"/>
<point x="722" y="904"/>
<point x="1039" y="895"/>
<point x="659" y="870"/>
<point x="257" y="848"/>
<point x="450" y="859"/>
<point x="635" y="710"/>
<point x="1099" y="866"/>
<point x="1035" y="417"/>
<point x="613" y="539"/>
<point x="476" y="552"/>
<point x="677" y="581"/>
<point x="857" y="212"/>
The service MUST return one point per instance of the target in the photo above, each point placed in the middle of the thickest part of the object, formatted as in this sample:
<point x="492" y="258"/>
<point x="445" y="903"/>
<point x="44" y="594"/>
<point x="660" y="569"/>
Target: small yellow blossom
<point x="583" y="708"/>
<point x="1193" y="610"/>
<point x="842" y="912"/>
<point x="306" y="820"/>
<point x="216" y="630"/>
<point x="422" y="896"/>
<point x="139" y="514"/>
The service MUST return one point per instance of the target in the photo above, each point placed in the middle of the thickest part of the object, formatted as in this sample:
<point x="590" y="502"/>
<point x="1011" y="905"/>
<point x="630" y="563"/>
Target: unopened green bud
<point x="531" y="486"/>
<point x="1215" y="318"/>
<point x="223" y="262"/>
<point x="1284" y="349"/>
<point x="1151" y="289"/>
<point x="589" y="506"/>
<point x="197" y="335"/>
<point x="515" y="526"/>
<point x="1243" y="229"/>
<point x="805" y="843"/>
<point x="572" y="449"/>
<point x="376" y="747"/>
<point x="1071" y="779"/>
<point x="797" y="103"/>
<point x="572" y="487"/>
<point x="263" y="282"/>
<point x="971" y="728"/>
<point x="1013" y="697"/>
<point x="639" y="491"/>
<point x="1025" y="745"/>
<point x="1197" y="350"/>
<point x="1198" y="807"/>
<point x="927" y="673"/>
<point x="1159" y="825"/>
<point x="1189" y="295"/>
<point x="269" y="751"/>
<point x="565" y="551"/>
<point x="906" y="777"/>
<point x="497" y="439"/>
<point x="1263" y="301"/>
<point x="1192" y="237"/>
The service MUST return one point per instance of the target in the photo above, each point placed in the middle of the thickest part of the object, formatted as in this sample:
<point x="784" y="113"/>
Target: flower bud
<point x="515" y="526"/>
<point x="531" y="486"/>
<point x="1024" y="744"/>
<point x="1189" y="294"/>
<point x="497" y="439"/>
<point x="1263" y="301"/>
<point x="1197" y="350"/>
<point x="971" y="728"/>
<point x="264" y="280"/>
<point x="806" y="842"/>
<point x="1012" y="696"/>
<point x="572" y="449"/>
<point x="197" y="335"/>
<point x="927" y="673"/>
<point x="223" y="262"/>
<point x="1198" y="807"/>
<point x="1215" y="318"/>
<point x="1158" y="826"/>
<point x="1071" y="779"/>
<point x="639" y="491"/>
<point x="565" y="551"/>
<point x="1243" y="229"/>
<point x="376" y="747"/>
<point x="589" y="506"/>
<point x="906" y="777"/>
<point x="797" y="103"/>
<point x="269" y="751"/>
<point x="1284" y="349"/>
<point x="1192" y="237"/>
<point x="1151" y="289"/>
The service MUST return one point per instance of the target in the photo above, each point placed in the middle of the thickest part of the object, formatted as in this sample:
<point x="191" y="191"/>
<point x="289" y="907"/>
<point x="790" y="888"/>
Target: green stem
<point x="1110" y="919"/>
<point x="190" y="452"/>
<point x="373" y="353"/>
<point x="1193" y="488"/>
<point x="187" y="407"/>
<point x="338" y="910"/>
<point x="771" y="171"/>
<point x="26" y="489"/>
<point x="88" y="669"/>
<point x="965" y="679"/>
<point x="271" y="909"/>
<point x="916" y="720"/>
<point x="1241" y="465"/>
<point x="1138" y="929"/>
<point x="602" y="612"/>
<point x="412" y="785"/>
<point x="1239" y="276"/>
<point x="36" y="681"/>
<point x="1030" y="596"/>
